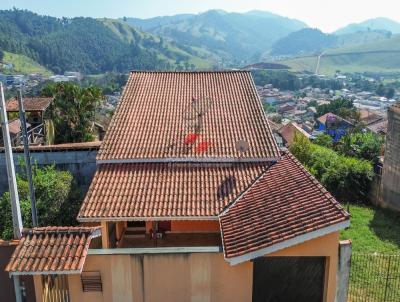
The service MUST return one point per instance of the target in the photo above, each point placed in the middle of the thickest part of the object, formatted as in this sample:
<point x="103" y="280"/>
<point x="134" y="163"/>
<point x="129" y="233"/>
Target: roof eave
<point x="288" y="243"/>
<point x="155" y="218"/>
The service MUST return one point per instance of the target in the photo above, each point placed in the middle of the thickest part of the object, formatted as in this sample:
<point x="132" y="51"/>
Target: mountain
<point x="148" y="24"/>
<point x="307" y="40"/>
<point x="310" y="41"/>
<point x="371" y="24"/>
<point x="230" y="37"/>
<point x="88" y="45"/>
<point x="380" y="56"/>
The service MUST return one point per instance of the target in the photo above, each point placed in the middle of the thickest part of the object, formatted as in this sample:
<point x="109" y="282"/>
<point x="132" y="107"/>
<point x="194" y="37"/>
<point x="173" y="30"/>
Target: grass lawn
<point x="374" y="232"/>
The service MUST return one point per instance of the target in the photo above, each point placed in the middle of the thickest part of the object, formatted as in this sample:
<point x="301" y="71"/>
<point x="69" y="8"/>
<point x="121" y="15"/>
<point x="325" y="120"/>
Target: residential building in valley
<point x="194" y="202"/>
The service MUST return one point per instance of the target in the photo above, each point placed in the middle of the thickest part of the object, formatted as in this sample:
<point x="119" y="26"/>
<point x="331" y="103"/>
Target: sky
<point x="327" y="15"/>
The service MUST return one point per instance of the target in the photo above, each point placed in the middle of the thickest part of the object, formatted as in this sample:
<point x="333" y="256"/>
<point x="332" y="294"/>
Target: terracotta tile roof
<point x="159" y="110"/>
<point x="369" y="117"/>
<point x="322" y="118"/>
<point x="154" y="191"/>
<point x="289" y="131"/>
<point x="30" y="104"/>
<point x="52" y="250"/>
<point x="284" y="204"/>
<point x="15" y="126"/>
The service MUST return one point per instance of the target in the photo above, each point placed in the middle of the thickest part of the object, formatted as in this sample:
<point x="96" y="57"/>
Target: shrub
<point x="347" y="178"/>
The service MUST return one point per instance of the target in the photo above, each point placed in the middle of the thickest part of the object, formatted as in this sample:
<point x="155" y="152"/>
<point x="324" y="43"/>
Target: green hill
<point x="23" y="64"/>
<point x="307" y="40"/>
<point x="233" y="38"/>
<point x="381" y="56"/>
<point x="371" y="24"/>
<point x="166" y="50"/>
<point x="88" y="45"/>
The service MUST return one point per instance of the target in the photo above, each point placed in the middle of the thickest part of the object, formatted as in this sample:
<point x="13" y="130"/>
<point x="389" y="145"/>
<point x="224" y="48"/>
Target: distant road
<point x="319" y="62"/>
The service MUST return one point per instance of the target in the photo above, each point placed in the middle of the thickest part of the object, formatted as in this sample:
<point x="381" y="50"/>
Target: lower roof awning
<point x="52" y="250"/>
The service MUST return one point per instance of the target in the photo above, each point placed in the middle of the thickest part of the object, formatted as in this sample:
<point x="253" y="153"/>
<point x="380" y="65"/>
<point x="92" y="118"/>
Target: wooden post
<point x="105" y="239"/>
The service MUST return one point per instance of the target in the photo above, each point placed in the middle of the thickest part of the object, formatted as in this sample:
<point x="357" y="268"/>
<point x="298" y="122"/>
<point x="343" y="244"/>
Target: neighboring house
<point x="289" y="131"/>
<point x="195" y="203"/>
<point x="333" y="125"/>
<point x="369" y="117"/>
<point x="286" y="108"/>
<point x="379" y="127"/>
<point x="40" y="130"/>
<point x="15" y="132"/>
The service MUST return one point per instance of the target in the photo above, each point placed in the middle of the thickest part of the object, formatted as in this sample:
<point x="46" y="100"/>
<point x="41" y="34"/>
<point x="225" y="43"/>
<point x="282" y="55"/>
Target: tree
<point x="1" y="55"/>
<point x="361" y="145"/>
<point x="342" y="107"/>
<point x="57" y="200"/>
<point x="73" y="111"/>
<point x="390" y="93"/>
<point x="324" y="140"/>
<point x="347" y="178"/>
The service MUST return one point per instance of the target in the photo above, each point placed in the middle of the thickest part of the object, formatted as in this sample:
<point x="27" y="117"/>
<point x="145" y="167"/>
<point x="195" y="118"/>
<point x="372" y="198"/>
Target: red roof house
<point x="189" y="165"/>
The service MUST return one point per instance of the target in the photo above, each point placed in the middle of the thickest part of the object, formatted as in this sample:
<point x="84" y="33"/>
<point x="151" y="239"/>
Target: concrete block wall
<point x="81" y="163"/>
<point x="390" y="186"/>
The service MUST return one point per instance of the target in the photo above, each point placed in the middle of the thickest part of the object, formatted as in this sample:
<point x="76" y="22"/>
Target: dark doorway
<point x="164" y="226"/>
<point x="288" y="279"/>
<point x="136" y="224"/>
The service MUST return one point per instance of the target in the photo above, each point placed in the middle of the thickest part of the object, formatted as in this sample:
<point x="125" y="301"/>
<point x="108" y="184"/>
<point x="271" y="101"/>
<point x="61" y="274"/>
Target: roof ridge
<point x="190" y="71"/>
<point x="59" y="230"/>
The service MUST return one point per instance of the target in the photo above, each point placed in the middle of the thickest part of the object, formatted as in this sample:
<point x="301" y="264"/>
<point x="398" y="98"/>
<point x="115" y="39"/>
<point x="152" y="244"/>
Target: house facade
<point x="194" y="202"/>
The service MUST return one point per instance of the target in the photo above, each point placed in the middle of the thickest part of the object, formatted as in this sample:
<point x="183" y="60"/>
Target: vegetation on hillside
<point x="23" y="65"/>
<point x="84" y="44"/>
<point x="57" y="200"/>
<point x="73" y="111"/>
<point x="380" y="56"/>
<point x="307" y="40"/>
<point x="231" y="37"/>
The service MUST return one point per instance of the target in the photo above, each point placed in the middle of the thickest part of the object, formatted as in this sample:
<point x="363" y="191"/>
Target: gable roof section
<point x="288" y="132"/>
<point x="52" y="250"/>
<point x="158" y="110"/>
<point x="30" y="104"/>
<point x="166" y="191"/>
<point x="286" y="206"/>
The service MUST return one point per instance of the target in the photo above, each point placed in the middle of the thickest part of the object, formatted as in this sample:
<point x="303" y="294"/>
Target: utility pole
<point x="27" y="158"/>
<point x="12" y="183"/>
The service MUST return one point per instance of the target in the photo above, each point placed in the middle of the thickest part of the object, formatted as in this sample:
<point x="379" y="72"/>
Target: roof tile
<point x="158" y="111"/>
<point x="48" y="250"/>
<point x="285" y="202"/>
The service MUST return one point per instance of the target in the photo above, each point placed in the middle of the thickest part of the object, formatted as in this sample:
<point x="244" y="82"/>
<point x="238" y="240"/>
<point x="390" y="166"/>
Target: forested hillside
<point x="371" y="24"/>
<point x="233" y="38"/>
<point x="306" y="40"/>
<point x="85" y="44"/>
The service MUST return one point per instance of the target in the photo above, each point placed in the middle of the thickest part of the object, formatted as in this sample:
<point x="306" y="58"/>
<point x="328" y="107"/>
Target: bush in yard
<point x="323" y="140"/>
<point x="361" y="145"/>
<point x="347" y="178"/>
<point x="57" y="200"/>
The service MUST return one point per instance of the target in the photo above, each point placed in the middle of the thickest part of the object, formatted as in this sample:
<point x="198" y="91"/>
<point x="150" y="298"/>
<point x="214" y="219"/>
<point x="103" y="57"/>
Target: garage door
<point x="287" y="279"/>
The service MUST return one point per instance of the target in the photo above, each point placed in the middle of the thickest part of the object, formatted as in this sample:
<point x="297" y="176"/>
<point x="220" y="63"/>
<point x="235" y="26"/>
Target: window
<point x="91" y="282"/>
